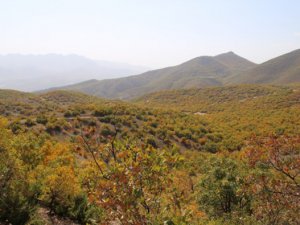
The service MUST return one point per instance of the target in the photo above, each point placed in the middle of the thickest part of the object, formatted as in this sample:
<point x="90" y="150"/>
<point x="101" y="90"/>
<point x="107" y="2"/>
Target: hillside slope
<point x="78" y="145"/>
<point x="199" y="72"/>
<point x="65" y="114"/>
<point x="219" y="99"/>
<point x="280" y="70"/>
<point x="206" y="71"/>
<point x="241" y="111"/>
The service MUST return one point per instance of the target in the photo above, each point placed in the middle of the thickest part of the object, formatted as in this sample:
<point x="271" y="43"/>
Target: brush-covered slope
<point x="280" y="70"/>
<point x="241" y="111"/>
<point x="65" y="114"/>
<point x="10" y="95"/>
<point x="223" y="116"/>
<point x="216" y="99"/>
<point x="199" y="72"/>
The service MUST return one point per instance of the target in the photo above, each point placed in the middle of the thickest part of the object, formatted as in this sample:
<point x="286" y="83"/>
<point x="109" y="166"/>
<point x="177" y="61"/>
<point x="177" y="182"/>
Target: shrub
<point x="221" y="189"/>
<point x="29" y="123"/>
<point x="42" y="120"/>
<point x="107" y="132"/>
<point x="102" y="112"/>
<point x="105" y="119"/>
<point x="15" y="127"/>
<point x="154" y="124"/>
<point x="211" y="147"/>
<point x="72" y="113"/>
<point x="151" y="141"/>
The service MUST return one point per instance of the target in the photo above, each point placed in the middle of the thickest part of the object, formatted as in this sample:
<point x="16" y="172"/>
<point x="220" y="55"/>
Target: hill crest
<point x="201" y="71"/>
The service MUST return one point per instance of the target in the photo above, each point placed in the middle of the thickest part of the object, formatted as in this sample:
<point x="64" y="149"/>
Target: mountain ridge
<point x="279" y="70"/>
<point x="204" y="71"/>
<point x="198" y="72"/>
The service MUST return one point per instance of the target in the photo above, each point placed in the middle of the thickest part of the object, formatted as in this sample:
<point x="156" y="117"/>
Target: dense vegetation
<point x="201" y="156"/>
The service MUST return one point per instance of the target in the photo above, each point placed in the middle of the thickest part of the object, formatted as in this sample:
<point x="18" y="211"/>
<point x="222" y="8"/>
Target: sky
<point x="153" y="33"/>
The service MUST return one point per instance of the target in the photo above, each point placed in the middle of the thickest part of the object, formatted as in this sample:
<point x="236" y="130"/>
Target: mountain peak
<point x="199" y="72"/>
<point x="234" y="61"/>
<point x="227" y="54"/>
<point x="283" y="69"/>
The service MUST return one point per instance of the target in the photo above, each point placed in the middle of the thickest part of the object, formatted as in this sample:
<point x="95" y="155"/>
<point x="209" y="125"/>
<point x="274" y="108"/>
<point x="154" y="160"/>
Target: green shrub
<point x="152" y="142"/>
<point x="29" y="122"/>
<point x="42" y="120"/>
<point x="107" y="132"/>
<point x="102" y="112"/>
<point x="211" y="147"/>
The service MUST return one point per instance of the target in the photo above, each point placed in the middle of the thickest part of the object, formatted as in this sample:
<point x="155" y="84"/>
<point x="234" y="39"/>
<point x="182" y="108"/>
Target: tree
<point x="127" y="181"/>
<point x="55" y="178"/>
<point x="16" y="199"/>
<point x="222" y="188"/>
<point x="276" y="178"/>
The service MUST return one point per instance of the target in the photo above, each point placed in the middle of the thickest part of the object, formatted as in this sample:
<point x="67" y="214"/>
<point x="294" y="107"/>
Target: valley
<point x="149" y="112"/>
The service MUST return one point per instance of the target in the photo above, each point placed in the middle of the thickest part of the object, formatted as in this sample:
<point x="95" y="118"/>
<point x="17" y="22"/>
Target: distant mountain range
<point x="36" y="72"/>
<point x="220" y="70"/>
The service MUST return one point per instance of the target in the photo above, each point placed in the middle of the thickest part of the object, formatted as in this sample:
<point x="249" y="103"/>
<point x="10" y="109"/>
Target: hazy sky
<point x="154" y="33"/>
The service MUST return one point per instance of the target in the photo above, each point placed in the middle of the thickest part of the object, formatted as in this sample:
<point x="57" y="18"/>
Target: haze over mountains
<point x="77" y="73"/>
<point x="36" y="72"/>
<point x="223" y="69"/>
